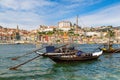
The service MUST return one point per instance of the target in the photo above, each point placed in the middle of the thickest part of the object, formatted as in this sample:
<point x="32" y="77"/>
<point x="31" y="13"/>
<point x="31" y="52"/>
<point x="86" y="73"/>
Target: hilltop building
<point x="64" y="25"/>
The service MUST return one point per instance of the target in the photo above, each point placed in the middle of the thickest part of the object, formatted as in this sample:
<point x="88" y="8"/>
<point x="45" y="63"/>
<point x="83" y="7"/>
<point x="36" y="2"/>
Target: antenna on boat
<point x="108" y="38"/>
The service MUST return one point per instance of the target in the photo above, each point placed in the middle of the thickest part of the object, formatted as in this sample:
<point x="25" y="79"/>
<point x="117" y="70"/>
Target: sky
<point x="30" y="14"/>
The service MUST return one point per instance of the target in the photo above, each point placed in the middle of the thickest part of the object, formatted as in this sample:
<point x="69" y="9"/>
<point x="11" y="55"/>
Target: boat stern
<point x="97" y="53"/>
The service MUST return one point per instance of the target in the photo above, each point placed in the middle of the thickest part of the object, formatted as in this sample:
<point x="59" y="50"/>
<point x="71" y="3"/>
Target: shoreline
<point x="49" y="43"/>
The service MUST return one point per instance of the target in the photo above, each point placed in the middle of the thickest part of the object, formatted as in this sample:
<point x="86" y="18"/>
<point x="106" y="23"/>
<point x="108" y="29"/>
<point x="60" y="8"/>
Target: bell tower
<point x="76" y="24"/>
<point x="17" y="33"/>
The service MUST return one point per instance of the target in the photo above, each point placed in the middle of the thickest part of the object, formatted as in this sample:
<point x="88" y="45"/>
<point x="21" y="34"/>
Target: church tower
<point x="17" y="30"/>
<point x="76" y="24"/>
<point x="17" y="33"/>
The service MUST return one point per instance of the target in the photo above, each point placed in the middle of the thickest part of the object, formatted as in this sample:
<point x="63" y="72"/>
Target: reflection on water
<point x="107" y="67"/>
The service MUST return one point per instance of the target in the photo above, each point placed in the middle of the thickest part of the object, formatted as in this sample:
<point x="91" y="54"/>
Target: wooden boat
<point x="64" y="54"/>
<point x="110" y="49"/>
<point x="76" y="57"/>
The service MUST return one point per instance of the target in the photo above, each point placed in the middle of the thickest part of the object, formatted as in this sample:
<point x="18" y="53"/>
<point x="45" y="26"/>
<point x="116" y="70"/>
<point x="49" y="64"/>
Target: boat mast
<point x="108" y="39"/>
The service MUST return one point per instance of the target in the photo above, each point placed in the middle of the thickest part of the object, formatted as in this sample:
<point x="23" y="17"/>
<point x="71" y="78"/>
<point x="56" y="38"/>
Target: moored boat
<point x="76" y="57"/>
<point x="109" y="49"/>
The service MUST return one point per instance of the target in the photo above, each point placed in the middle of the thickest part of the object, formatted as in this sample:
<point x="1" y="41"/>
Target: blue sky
<point x="29" y="14"/>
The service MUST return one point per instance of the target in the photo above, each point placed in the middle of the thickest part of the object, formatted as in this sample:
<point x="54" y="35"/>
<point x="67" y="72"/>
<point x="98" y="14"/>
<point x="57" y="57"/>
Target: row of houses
<point x="63" y="32"/>
<point x="12" y="34"/>
<point x="85" y="34"/>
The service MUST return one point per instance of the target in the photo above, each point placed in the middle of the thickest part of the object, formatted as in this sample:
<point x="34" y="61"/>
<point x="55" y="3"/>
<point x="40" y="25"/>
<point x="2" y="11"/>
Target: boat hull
<point x="74" y="58"/>
<point x="79" y="59"/>
<point x="111" y="51"/>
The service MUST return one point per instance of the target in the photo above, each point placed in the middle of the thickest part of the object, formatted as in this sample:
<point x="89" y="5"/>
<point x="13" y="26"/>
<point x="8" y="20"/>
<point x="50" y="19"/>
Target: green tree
<point x="71" y="32"/>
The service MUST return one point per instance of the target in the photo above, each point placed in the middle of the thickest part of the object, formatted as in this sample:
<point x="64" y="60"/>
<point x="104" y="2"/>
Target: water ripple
<point x="107" y="67"/>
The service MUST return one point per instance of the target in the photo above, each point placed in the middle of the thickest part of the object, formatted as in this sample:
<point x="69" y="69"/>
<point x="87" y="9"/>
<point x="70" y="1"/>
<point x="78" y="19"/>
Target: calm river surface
<point x="107" y="67"/>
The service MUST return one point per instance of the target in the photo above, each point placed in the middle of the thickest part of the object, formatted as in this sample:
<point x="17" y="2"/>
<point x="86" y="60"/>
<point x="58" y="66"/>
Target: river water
<point x="107" y="67"/>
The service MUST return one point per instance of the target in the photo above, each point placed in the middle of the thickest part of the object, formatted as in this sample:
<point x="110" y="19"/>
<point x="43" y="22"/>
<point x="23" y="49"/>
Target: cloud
<point x="106" y="16"/>
<point x="24" y="4"/>
<point x="24" y="13"/>
<point x="29" y="14"/>
<point x="26" y="19"/>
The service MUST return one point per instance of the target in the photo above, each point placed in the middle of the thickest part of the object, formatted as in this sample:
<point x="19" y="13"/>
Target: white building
<point x="49" y="28"/>
<point x="64" y="25"/>
<point x="93" y="33"/>
<point x="46" y="28"/>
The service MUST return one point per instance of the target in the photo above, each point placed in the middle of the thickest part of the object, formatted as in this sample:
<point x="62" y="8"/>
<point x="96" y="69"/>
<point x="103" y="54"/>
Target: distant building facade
<point x="64" y="25"/>
<point x="43" y="28"/>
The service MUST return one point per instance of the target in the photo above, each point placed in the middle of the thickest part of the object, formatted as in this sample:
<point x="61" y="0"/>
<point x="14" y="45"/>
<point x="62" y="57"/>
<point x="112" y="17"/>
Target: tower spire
<point x="77" y="24"/>
<point x="17" y="28"/>
<point x="77" y="21"/>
